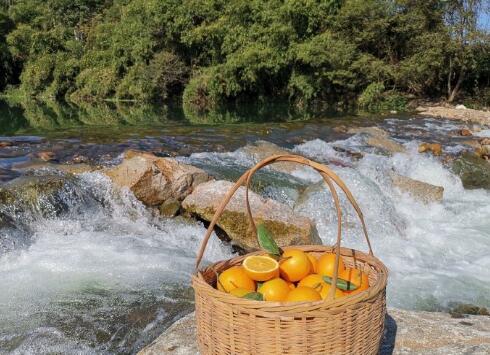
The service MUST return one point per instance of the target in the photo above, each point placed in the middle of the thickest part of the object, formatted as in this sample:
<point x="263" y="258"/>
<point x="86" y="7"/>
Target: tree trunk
<point x="449" y="77"/>
<point x="455" y="90"/>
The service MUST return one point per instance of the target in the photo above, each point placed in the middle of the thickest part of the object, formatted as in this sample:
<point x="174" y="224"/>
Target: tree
<point x="466" y="38"/>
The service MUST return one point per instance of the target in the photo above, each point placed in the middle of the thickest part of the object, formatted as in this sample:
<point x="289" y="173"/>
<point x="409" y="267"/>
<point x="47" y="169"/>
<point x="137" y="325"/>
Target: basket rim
<point x="198" y="282"/>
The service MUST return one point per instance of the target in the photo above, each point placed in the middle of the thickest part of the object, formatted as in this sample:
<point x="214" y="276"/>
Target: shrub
<point x="374" y="98"/>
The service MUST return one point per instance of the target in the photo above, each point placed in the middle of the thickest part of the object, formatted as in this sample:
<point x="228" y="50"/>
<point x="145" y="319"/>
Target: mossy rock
<point x="473" y="171"/>
<point x="287" y="227"/>
<point x="34" y="193"/>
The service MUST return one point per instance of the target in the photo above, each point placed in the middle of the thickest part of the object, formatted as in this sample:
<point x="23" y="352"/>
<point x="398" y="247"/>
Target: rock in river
<point x="473" y="171"/>
<point x="406" y="332"/>
<point x="263" y="149"/>
<point x="378" y="138"/>
<point x="37" y="194"/>
<point x="287" y="227"/>
<point x="434" y="148"/>
<point x="419" y="190"/>
<point x="154" y="180"/>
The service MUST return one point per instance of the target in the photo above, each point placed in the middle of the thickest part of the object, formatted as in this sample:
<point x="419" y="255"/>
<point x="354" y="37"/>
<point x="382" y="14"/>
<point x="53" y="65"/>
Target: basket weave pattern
<point x="348" y="325"/>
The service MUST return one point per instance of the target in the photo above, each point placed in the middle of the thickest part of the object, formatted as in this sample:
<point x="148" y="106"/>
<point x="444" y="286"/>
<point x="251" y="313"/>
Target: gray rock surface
<point x="378" y="138"/>
<point x="406" y="332"/>
<point x="287" y="227"/>
<point x="419" y="190"/>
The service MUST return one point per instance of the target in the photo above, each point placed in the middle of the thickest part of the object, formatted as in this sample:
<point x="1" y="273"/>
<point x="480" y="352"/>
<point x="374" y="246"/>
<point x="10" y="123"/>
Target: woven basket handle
<point x="328" y="176"/>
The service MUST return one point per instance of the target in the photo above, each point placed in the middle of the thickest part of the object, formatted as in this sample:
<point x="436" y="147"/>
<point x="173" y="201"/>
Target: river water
<point x="101" y="274"/>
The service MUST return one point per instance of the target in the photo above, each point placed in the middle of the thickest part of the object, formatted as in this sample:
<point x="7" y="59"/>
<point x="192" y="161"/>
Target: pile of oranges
<point x="297" y="276"/>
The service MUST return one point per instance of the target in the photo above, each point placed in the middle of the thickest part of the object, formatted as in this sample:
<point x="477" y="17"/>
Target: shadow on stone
<point x="389" y="336"/>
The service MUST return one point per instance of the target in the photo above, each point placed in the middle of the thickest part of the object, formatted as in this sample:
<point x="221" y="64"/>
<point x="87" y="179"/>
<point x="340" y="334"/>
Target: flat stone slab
<point x="406" y="332"/>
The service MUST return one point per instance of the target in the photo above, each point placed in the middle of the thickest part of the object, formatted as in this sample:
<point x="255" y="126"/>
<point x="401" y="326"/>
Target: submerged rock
<point x="263" y="149"/>
<point x="386" y="144"/>
<point x="64" y="168"/>
<point x="379" y="138"/>
<point x="287" y="227"/>
<point x="406" y="332"/>
<point x="419" y="190"/>
<point x="169" y="208"/>
<point x="459" y="310"/>
<point x="372" y="131"/>
<point x="473" y="171"/>
<point x="154" y="180"/>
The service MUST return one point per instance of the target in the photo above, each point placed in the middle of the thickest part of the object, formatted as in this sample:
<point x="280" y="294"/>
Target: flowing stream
<point x="102" y="274"/>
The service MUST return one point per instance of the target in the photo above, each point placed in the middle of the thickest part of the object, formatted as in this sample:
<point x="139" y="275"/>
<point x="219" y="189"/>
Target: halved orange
<point x="261" y="267"/>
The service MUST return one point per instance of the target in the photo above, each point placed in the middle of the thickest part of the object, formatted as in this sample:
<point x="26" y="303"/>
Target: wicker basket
<point x="348" y="325"/>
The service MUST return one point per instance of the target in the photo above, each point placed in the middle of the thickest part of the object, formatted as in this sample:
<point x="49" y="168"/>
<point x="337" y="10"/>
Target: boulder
<point x="379" y="138"/>
<point x="263" y="149"/>
<point x="287" y="227"/>
<point x="406" y="332"/>
<point x="386" y="144"/>
<point x="473" y="171"/>
<point x="154" y="180"/>
<point x="419" y="190"/>
<point x="434" y="148"/>
<point x="465" y="132"/>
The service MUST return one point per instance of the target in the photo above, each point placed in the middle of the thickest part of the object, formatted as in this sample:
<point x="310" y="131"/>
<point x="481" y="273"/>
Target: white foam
<point x="118" y="249"/>
<point x="436" y="253"/>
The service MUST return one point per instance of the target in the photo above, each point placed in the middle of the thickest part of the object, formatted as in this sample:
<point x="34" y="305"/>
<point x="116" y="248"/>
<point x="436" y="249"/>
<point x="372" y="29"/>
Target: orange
<point x="295" y="265"/>
<point x="274" y="290"/>
<point x="303" y="294"/>
<point x="356" y="277"/>
<point x="291" y="285"/>
<point x="313" y="261"/>
<point x="235" y="277"/>
<point x="326" y="265"/>
<point x="316" y="282"/>
<point x="239" y="292"/>
<point x="261" y="267"/>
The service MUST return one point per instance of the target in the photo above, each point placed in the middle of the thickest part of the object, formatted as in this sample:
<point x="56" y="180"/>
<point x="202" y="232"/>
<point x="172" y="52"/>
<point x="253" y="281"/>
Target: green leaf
<point x="255" y="296"/>
<point x="341" y="284"/>
<point x="266" y="241"/>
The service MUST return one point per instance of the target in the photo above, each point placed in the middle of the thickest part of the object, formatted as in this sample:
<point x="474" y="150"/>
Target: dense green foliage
<point x="211" y="52"/>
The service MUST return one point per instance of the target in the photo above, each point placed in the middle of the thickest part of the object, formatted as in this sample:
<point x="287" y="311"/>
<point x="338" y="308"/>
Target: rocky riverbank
<point x="458" y="112"/>
<point x="406" y="332"/>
